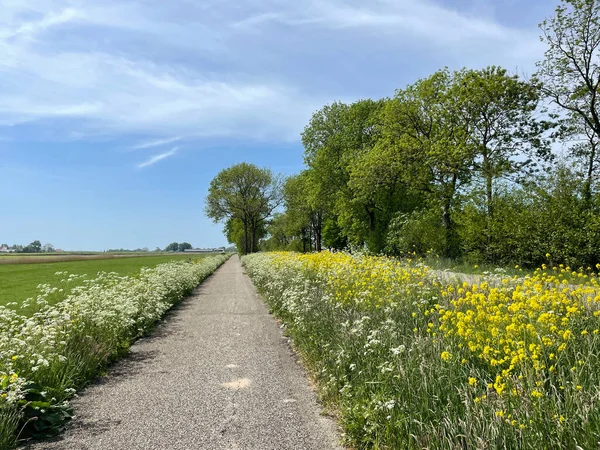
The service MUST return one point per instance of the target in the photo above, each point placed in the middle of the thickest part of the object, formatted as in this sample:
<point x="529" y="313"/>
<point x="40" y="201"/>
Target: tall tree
<point x="424" y="133"/>
<point x="336" y="136"/>
<point x="500" y="112"/>
<point x="244" y="193"/>
<point x="570" y="73"/>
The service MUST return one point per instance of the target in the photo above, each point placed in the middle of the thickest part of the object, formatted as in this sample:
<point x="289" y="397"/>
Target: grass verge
<point x="410" y="362"/>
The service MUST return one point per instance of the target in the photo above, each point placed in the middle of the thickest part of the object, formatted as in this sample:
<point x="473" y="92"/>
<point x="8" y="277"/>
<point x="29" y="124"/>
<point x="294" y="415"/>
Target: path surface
<point x="217" y="374"/>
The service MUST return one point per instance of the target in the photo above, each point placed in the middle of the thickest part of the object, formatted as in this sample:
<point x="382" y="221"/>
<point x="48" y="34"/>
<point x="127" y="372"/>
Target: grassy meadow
<point x="408" y="360"/>
<point x="20" y="280"/>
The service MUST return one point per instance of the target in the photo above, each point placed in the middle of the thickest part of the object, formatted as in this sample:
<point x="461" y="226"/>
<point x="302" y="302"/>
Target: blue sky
<point x="116" y="114"/>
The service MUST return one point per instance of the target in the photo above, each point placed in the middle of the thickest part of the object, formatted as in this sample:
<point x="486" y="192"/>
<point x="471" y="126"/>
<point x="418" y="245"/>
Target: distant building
<point x="204" y="250"/>
<point x="5" y="249"/>
<point x="58" y="250"/>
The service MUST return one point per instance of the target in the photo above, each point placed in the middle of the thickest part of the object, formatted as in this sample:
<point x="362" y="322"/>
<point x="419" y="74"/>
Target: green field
<point x="19" y="281"/>
<point x="18" y="258"/>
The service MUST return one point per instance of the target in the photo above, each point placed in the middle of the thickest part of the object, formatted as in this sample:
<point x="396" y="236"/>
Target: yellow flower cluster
<point x="514" y="326"/>
<point x="363" y="281"/>
<point x="523" y="326"/>
<point x="517" y="352"/>
<point x="5" y="384"/>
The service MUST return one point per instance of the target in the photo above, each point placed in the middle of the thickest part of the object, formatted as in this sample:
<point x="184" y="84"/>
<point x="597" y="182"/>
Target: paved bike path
<point x="217" y="374"/>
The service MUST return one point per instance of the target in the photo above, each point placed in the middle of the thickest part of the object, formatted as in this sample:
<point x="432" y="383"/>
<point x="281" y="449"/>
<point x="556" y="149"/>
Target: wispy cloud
<point x="222" y="69"/>
<point x="156" y="143"/>
<point x="153" y="160"/>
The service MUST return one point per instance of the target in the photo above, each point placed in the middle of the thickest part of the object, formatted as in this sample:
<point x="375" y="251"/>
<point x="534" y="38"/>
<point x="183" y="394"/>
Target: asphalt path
<point x="216" y="374"/>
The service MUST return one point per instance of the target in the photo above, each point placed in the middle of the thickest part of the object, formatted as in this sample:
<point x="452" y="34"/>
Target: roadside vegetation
<point x="50" y="350"/>
<point x="407" y="360"/>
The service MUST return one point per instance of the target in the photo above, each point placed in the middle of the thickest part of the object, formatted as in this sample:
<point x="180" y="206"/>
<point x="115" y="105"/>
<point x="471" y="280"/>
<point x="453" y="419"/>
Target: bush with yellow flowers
<point x="408" y="359"/>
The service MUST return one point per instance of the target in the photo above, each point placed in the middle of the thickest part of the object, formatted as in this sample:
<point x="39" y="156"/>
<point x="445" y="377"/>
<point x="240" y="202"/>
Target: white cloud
<point x="156" y="143"/>
<point x="153" y="160"/>
<point x="216" y="68"/>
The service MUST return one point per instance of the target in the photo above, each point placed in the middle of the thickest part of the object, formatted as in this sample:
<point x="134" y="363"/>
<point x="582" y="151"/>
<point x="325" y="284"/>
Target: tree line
<point x="462" y="164"/>
<point x="34" y="247"/>
<point x="178" y="247"/>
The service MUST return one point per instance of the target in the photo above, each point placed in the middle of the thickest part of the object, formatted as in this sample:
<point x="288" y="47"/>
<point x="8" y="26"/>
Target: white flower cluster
<point x="60" y="346"/>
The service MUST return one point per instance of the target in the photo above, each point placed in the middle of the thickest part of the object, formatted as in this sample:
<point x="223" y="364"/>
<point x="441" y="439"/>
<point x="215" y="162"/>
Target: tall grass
<point x="411" y="362"/>
<point x="46" y="356"/>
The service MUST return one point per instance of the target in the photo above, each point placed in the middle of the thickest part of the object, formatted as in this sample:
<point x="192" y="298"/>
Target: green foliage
<point x="551" y="216"/>
<point x="451" y="164"/>
<point x="246" y="194"/>
<point x="184" y="246"/>
<point x="172" y="247"/>
<point x="34" y="247"/>
<point x="9" y="424"/>
<point x="420" y="231"/>
<point x="335" y="139"/>
<point x="333" y="237"/>
<point x="41" y="417"/>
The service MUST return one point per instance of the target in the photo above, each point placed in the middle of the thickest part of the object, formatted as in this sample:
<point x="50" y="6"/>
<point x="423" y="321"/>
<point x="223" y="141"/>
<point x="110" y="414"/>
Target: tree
<point x="235" y="233"/>
<point x="500" y="113"/>
<point x="570" y="74"/>
<point x="305" y="209"/>
<point x="34" y="247"/>
<point x="379" y="181"/>
<point x="172" y="247"/>
<point x="423" y="134"/>
<point x="48" y="248"/>
<point x="282" y="234"/>
<point x="336" y="136"/>
<point x="244" y="194"/>
<point x="184" y="246"/>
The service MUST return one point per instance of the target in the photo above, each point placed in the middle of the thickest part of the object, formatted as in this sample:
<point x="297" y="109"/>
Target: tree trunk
<point x="447" y="219"/>
<point x="489" y="195"/>
<point x="489" y="198"/>
<point x="371" y="215"/>
<point x="245" y="236"/>
<point x="318" y="225"/>
<point x="253" y="237"/>
<point x="303" y="240"/>
<point x="587" y="190"/>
